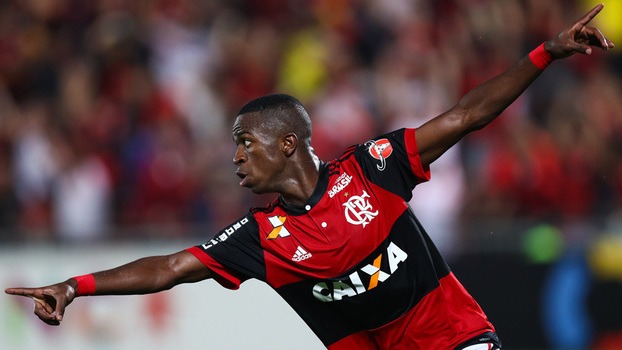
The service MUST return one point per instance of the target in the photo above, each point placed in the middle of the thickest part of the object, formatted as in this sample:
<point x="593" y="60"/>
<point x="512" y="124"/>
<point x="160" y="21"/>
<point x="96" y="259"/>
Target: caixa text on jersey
<point x="353" y="285"/>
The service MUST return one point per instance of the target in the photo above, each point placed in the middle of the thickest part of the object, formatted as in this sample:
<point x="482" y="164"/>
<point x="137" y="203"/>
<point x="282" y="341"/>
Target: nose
<point x="239" y="156"/>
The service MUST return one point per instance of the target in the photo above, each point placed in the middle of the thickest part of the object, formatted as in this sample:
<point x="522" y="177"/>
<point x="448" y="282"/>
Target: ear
<point x="289" y="144"/>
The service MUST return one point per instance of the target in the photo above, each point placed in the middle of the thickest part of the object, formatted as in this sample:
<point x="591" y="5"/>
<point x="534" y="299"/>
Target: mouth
<point x="242" y="176"/>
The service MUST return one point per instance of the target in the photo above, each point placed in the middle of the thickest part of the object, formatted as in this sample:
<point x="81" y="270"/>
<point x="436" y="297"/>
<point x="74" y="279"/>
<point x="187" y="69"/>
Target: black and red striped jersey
<point x="354" y="262"/>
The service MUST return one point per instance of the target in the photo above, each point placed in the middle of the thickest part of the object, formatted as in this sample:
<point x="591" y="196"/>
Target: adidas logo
<point x="301" y="254"/>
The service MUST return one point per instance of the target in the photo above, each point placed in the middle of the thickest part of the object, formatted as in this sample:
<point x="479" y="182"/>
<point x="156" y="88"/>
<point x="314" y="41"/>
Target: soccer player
<point x="340" y="244"/>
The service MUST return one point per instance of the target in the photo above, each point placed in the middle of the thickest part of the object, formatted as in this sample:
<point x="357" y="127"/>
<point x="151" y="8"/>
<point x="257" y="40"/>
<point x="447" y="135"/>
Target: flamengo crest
<point x="358" y="210"/>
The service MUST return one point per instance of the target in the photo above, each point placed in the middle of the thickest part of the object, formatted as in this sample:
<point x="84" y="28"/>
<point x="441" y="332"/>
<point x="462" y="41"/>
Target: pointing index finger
<point x="27" y="292"/>
<point x="588" y="16"/>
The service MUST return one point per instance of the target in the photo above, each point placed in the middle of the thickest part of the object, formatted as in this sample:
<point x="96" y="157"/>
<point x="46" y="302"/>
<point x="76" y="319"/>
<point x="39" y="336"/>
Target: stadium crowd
<point x="115" y="115"/>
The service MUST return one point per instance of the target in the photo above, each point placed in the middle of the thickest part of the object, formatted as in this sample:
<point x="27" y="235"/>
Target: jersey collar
<point x="320" y="189"/>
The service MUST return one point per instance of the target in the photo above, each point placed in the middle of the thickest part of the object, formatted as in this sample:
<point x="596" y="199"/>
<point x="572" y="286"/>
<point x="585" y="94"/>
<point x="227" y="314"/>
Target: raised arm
<point x="484" y="103"/>
<point x="146" y="275"/>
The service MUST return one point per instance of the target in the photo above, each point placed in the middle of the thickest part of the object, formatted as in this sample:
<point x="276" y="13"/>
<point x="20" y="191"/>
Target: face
<point x="258" y="154"/>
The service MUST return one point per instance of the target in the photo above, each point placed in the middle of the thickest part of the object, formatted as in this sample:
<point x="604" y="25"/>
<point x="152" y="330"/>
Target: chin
<point x="256" y="190"/>
<point x="260" y="190"/>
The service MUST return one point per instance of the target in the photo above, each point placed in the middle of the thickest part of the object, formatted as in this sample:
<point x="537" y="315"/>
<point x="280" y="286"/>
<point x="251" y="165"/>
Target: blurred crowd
<point x="115" y="115"/>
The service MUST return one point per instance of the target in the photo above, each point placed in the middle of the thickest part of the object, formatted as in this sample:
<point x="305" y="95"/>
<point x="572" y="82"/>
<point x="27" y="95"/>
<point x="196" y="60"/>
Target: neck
<point x="298" y="189"/>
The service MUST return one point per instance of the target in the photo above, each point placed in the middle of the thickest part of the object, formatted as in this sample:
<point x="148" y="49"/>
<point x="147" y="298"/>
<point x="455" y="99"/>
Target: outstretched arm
<point x="146" y="275"/>
<point x="484" y="103"/>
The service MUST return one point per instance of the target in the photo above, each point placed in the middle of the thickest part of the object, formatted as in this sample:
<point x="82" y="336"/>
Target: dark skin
<point x="277" y="161"/>
<point x="286" y="166"/>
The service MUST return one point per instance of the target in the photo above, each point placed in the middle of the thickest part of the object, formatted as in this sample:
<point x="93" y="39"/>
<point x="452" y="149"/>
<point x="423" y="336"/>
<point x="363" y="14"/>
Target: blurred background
<point x="115" y="142"/>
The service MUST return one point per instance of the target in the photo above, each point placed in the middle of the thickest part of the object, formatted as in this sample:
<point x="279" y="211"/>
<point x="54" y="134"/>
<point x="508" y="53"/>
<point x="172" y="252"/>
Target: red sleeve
<point x="422" y="173"/>
<point x="222" y="275"/>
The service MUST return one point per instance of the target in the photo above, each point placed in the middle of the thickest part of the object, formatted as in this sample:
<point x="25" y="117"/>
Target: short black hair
<point x="285" y="110"/>
<point x="267" y="102"/>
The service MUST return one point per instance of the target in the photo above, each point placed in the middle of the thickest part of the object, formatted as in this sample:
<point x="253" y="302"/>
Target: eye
<point x="247" y="143"/>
